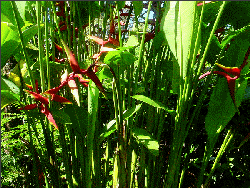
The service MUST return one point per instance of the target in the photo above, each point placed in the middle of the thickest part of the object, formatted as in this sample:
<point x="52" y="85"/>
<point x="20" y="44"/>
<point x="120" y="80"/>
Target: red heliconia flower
<point x="113" y="41"/>
<point x="88" y="72"/>
<point x="98" y="40"/>
<point x="45" y="101"/>
<point x="230" y="70"/>
<point x="59" y="48"/>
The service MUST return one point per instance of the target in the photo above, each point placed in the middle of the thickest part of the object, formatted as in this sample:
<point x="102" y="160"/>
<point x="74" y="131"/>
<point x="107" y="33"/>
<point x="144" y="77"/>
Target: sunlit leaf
<point x="146" y="139"/>
<point x="152" y="102"/>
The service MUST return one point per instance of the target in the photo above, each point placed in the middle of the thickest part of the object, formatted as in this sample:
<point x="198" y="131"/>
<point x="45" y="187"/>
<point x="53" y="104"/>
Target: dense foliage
<point x="125" y="94"/>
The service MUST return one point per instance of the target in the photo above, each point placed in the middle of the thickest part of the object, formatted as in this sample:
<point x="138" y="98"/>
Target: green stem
<point x="226" y="141"/>
<point x="141" y="51"/>
<point x="93" y="94"/>
<point x="119" y="26"/>
<point x="23" y="45"/>
<point x="210" y="39"/>
<point x="47" y="48"/>
<point x="40" y="44"/>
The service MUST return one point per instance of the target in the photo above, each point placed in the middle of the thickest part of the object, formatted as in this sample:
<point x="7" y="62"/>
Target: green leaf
<point x="233" y="34"/>
<point x="146" y="139"/>
<point x="138" y="6"/>
<point x="132" y="41"/>
<point x="110" y="127"/>
<point x="177" y="25"/>
<point x="121" y="4"/>
<point x="21" y="8"/>
<point x="29" y="33"/>
<point x="152" y="102"/>
<point x="10" y="40"/>
<point x="9" y="85"/>
<point x="7" y="14"/>
<point x="119" y="58"/>
<point x="7" y="97"/>
<point x="221" y="108"/>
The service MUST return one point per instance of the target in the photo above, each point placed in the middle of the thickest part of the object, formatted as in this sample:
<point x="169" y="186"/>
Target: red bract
<point x="230" y="83"/>
<point x="45" y="101"/>
<point x="59" y="48"/>
<point x="76" y="69"/>
<point x="98" y="40"/>
<point x="114" y="41"/>
<point x="149" y="36"/>
<point x="73" y="63"/>
<point x="231" y="70"/>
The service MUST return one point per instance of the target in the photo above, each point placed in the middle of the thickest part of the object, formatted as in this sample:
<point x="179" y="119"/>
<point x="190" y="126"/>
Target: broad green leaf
<point x="9" y="85"/>
<point x="21" y="8"/>
<point x="221" y="108"/>
<point x="236" y="13"/>
<point x="146" y="139"/>
<point x="138" y="6"/>
<point x="7" y="13"/>
<point x="132" y="41"/>
<point x="10" y="40"/>
<point x="29" y="33"/>
<point x="7" y="97"/>
<point x="119" y="58"/>
<point x="233" y="34"/>
<point x="121" y="4"/>
<point x="152" y="102"/>
<point x="177" y="25"/>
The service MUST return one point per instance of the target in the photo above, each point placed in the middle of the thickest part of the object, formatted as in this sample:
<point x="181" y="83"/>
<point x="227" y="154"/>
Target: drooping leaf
<point x="146" y="139"/>
<point x="152" y="102"/>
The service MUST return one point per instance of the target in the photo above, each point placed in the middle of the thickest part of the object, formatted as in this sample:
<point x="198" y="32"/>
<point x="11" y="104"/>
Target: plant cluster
<point x="120" y="94"/>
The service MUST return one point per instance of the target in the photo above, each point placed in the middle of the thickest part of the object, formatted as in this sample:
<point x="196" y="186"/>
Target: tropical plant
<point x="132" y="94"/>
